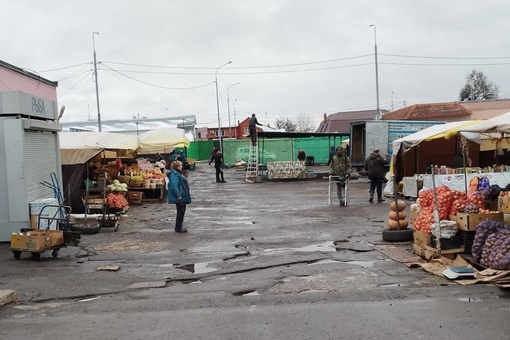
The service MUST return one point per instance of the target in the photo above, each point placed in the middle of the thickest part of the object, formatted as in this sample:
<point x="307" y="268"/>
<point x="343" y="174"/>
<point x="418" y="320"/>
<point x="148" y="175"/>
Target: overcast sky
<point x="157" y="58"/>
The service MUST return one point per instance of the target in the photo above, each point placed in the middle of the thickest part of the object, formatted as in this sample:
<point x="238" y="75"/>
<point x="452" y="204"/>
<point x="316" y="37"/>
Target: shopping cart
<point x="335" y="180"/>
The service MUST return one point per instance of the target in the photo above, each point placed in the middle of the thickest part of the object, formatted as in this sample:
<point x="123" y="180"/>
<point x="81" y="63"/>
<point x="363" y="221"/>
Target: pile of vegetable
<point x="116" y="200"/>
<point x="491" y="246"/>
<point x="117" y="186"/>
<point x="397" y="216"/>
<point x="425" y="218"/>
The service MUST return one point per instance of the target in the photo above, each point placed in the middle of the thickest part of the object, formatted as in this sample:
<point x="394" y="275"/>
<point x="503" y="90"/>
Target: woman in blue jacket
<point x="178" y="193"/>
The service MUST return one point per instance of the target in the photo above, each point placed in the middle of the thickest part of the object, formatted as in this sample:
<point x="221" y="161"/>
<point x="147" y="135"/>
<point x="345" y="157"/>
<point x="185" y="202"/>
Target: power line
<point x="438" y="57"/>
<point x="159" y="86"/>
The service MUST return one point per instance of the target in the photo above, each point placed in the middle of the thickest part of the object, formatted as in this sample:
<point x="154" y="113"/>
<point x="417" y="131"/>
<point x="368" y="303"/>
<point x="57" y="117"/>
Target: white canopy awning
<point x="163" y="140"/>
<point x="436" y="131"/>
<point x="79" y="147"/>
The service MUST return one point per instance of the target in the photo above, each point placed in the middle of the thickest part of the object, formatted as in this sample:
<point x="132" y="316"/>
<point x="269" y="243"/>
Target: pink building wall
<point x="14" y="81"/>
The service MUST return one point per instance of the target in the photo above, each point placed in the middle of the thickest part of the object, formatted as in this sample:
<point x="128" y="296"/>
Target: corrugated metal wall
<point x="270" y="149"/>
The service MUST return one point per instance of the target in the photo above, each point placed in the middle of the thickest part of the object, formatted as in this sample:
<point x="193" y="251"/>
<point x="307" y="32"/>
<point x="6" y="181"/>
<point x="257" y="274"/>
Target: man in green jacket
<point x="340" y="166"/>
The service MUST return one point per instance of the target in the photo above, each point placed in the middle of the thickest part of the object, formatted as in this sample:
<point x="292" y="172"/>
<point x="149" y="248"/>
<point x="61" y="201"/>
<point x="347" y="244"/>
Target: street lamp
<point x="378" y="113"/>
<point x="235" y="121"/>
<point x="228" y="105"/>
<point x="218" y="102"/>
<point x="97" y="85"/>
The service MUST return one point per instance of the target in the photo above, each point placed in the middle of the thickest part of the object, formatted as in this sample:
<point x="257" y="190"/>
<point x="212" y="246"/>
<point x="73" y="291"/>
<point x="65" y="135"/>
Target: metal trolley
<point x="40" y="240"/>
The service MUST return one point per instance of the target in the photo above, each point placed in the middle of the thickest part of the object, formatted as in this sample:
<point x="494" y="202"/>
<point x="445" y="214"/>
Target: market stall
<point x="468" y="212"/>
<point x="163" y="140"/>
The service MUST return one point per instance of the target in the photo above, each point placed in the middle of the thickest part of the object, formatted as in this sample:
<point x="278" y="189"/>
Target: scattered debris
<point x="108" y="268"/>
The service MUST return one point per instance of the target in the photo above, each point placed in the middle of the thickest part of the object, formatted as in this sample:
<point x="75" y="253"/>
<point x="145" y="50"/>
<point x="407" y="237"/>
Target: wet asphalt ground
<point x="267" y="260"/>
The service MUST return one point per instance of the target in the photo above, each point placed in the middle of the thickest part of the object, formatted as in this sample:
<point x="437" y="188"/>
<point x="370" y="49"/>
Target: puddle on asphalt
<point x="324" y="247"/>
<point x="469" y="299"/>
<point x="364" y="264"/>
<point x="196" y="268"/>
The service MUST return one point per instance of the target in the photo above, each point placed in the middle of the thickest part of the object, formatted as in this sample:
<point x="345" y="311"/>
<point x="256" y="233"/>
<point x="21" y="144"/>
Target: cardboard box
<point x="135" y="196"/>
<point x="56" y="237"/>
<point x="33" y="241"/>
<point x="506" y="218"/>
<point x="419" y="251"/>
<point x="421" y="239"/>
<point x="452" y="217"/>
<point x="429" y="252"/>
<point x="504" y="204"/>
<point x="412" y="216"/>
<point x="471" y="221"/>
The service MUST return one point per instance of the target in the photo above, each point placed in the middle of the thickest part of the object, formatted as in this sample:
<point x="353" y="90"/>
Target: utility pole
<point x="218" y="104"/>
<point x="228" y="105"/>
<point x="235" y="121"/>
<point x="97" y="85"/>
<point x="378" y="113"/>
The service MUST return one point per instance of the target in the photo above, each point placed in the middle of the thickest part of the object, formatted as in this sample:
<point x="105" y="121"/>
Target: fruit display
<point x="397" y="216"/>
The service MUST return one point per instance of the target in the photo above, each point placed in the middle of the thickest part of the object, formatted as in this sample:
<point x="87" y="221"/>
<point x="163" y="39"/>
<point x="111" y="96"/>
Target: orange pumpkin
<point x="400" y="224"/>
<point x="400" y="204"/>
<point x="401" y="215"/>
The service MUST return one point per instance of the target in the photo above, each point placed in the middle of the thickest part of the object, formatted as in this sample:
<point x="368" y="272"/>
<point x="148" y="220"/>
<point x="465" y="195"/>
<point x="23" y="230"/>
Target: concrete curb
<point x="7" y="296"/>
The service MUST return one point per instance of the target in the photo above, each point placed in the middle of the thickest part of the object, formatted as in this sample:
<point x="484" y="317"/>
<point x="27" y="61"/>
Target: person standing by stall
<point x="218" y="165"/>
<point x="301" y="155"/>
<point x="374" y="165"/>
<point x="340" y="166"/>
<point x="178" y="194"/>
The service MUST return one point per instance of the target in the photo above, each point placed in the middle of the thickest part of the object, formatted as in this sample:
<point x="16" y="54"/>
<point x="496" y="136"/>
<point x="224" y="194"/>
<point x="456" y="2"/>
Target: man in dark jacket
<point x="218" y="163"/>
<point x="374" y="165"/>
<point x="253" y="122"/>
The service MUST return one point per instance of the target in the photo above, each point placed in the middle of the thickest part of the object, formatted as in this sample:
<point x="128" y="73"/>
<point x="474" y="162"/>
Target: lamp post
<point x="235" y="121"/>
<point x="378" y="113"/>
<point x="218" y="102"/>
<point x="97" y="85"/>
<point x="228" y="105"/>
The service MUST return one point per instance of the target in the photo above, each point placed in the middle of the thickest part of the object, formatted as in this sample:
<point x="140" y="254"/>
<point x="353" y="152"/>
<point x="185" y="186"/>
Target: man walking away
<point x="340" y="166"/>
<point x="374" y="165"/>
<point x="253" y="129"/>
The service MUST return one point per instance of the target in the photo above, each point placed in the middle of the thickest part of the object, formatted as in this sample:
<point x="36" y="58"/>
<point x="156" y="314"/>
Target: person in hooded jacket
<point x="178" y="194"/>
<point x="340" y="167"/>
<point x="375" y="166"/>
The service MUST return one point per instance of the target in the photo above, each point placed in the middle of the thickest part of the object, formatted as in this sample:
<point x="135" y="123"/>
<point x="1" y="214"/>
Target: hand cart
<point x="110" y="217"/>
<point x="336" y="180"/>
<point x="38" y="241"/>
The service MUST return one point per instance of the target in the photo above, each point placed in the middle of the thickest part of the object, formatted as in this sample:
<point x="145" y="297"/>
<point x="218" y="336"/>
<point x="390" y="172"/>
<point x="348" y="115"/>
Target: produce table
<point x="150" y="194"/>
<point x="457" y="181"/>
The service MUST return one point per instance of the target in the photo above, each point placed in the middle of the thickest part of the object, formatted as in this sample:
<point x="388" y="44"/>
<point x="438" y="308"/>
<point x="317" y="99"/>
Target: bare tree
<point x="305" y="124"/>
<point x="286" y="124"/>
<point x="478" y="87"/>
